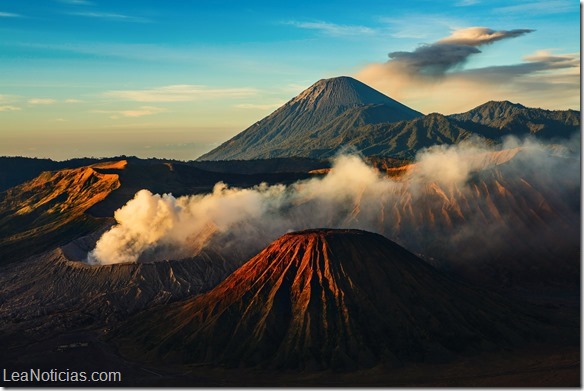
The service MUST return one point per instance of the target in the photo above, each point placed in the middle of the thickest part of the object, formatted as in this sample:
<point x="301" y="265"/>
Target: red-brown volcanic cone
<point x="317" y="299"/>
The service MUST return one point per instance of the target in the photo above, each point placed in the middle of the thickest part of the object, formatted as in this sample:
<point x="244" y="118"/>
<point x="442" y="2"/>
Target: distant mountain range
<point x="342" y="112"/>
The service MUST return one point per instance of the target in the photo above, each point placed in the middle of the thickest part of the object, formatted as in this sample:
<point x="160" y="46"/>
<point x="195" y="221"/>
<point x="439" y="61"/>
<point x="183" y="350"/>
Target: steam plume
<point x="456" y="203"/>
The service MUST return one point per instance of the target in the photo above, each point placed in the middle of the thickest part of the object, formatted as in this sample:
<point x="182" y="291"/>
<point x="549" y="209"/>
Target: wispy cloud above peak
<point x="437" y="58"/>
<point x="133" y="113"/>
<point x="180" y="93"/>
<point x="542" y="7"/>
<point x="332" y="29"/>
<point x="253" y="106"/>
<point x="4" y="98"/>
<point x="9" y="15"/>
<point x="466" y="3"/>
<point x="9" y="108"/>
<point x="477" y="36"/>
<point x="554" y="61"/>
<point x="432" y="71"/>
<point x="77" y="2"/>
<point x="110" y="16"/>
<point x="41" y="101"/>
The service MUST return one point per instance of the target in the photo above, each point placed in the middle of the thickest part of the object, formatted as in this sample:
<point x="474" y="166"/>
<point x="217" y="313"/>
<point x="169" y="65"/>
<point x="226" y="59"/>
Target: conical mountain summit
<point x="343" y="92"/>
<point x="293" y="129"/>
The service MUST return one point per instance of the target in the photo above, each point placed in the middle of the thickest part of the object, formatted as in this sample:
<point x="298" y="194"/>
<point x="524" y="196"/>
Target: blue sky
<point x="176" y="78"/>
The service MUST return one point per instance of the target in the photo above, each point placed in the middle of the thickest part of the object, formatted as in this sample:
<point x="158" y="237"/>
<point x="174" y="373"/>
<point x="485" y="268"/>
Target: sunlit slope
<point x="50" y="209"/>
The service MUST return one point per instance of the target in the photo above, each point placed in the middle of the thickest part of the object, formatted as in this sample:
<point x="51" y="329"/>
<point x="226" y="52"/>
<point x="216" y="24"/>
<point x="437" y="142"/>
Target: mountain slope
<point x="489" y="123"/>
<point x="326" y="299"/>
<point x="403" y="139"/>
<point x="286" y="130"/>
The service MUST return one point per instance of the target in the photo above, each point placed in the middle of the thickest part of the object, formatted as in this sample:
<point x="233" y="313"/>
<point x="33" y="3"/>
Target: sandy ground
<point x="533" y="366"/>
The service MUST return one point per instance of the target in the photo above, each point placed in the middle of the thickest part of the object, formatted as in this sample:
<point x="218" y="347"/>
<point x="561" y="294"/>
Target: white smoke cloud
<point x="483" y="202"/>
<point x="153" y="227"/>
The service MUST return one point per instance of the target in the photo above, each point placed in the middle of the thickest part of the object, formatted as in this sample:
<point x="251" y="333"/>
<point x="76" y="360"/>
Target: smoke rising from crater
<point x="456" y="203"/>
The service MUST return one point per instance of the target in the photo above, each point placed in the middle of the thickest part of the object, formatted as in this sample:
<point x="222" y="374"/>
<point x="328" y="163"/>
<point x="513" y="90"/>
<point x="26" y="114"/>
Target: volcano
<point x="327" y="299"/>
<point x="326" y="110"/>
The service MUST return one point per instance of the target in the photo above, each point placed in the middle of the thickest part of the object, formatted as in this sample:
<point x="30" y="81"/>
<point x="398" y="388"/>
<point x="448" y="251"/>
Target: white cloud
<point x="9" y="15"/>
<point x="42" y="101"/>
<point x="420" y="26"/>
<point x="135" y="113"/>
<point x="478" y="36"/>
<point x="73" y="101"/>
<point x="77" y="2"/>
<point x="180" y="93"/>
<point x="423" y="77"/>
<point x="253" y="106"/>
<point x="9" y="108"/>
<point x="109" y="16"/>
<point x="332" y="29"/>
<point x="544" y="7"/>
<point x="9" y="98"/>
<point x="466" y="3"/>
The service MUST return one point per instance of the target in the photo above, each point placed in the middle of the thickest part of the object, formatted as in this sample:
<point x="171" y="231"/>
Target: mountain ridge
<point x="504" y="117"/>
<point x="337" y="113"/>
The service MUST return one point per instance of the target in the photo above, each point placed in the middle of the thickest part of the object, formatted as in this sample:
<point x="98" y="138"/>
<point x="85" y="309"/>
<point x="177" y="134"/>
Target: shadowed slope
<point x="405" y="138"/>
<point x="340" y="299"/>
<point x="489" y="123"/>
<point x="49" y="293"/>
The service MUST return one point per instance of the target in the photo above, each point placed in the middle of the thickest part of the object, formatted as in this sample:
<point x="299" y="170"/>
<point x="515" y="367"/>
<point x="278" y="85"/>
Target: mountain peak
<point x="499" y="105"/>
<point x="491" y="110"/>
<point x="516" y="119"/>
<point x="302" y="126"/>
<point x="343" y="91"/>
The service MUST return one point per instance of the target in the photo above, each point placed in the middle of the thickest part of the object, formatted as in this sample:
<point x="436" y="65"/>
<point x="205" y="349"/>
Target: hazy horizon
<point x="104" y="78"/>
